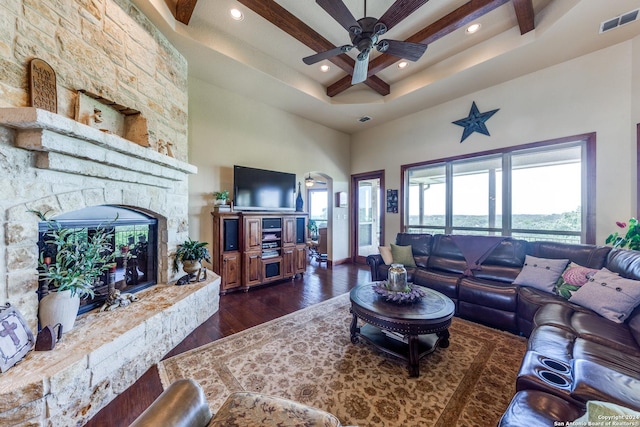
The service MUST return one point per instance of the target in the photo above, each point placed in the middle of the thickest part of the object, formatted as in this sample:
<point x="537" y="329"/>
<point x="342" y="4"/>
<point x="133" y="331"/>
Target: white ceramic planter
<point x="59" y="307"/>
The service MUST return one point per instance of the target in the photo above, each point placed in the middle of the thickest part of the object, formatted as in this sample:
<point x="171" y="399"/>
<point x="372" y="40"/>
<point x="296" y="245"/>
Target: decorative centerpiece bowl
<point x="409" y="294"/>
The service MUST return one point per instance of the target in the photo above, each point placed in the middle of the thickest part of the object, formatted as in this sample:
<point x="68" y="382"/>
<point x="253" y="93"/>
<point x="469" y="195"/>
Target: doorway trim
<point x="355" y="179"/>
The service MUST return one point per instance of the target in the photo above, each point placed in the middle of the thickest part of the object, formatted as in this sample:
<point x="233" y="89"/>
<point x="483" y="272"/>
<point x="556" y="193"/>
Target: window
<point x="318" y="207"/>
<point x="534" y="192"/>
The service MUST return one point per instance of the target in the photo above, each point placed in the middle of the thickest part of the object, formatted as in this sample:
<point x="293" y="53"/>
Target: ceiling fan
<point x="309" y="181"/>
<point x="364" y="34"/>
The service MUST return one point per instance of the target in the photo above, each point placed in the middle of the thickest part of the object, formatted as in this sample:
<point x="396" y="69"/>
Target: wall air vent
<point x="364" y="119"/>
<point x="618" y="21"/>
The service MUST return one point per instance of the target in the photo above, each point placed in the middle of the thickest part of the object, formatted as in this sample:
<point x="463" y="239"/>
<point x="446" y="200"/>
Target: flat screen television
<point x="263" y="190"/>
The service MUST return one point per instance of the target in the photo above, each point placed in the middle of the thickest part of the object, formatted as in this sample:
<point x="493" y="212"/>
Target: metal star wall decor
<point x="474" y="122"/>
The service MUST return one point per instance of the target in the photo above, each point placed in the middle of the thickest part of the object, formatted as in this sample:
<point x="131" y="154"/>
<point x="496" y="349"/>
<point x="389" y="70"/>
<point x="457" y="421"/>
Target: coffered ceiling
<point x="261" y="55"/>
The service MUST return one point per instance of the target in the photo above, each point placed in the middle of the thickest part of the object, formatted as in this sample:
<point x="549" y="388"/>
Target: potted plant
<point x="70" y="267"/>
<point x="190" y="254"/>
<point x="221" y="197"/>
<point x="313" y="229"/>
<point x="631" y="238"/>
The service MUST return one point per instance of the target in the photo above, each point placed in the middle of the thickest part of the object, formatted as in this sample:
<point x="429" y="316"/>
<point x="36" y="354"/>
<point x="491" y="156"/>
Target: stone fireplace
<point x="64" y="166"/>
<point x="53" y="163"/>
<point x="133" y="240"/>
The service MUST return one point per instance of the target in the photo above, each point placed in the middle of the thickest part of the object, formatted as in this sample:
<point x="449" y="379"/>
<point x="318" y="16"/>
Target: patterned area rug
<point x="307" y="356"/>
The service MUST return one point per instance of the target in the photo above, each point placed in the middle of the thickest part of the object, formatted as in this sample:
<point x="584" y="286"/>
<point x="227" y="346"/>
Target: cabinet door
<point x="300" y="259"/>
<point x="253" y="234"/>
<point x="289" y="231"/>
<point x="288" y="261"/>
<point x="252" y="268"/>
<point x="231" y="270"/>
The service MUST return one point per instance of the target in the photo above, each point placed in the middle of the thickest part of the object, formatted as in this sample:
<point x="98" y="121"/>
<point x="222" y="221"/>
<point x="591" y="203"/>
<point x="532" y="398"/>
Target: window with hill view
<point x="533" y="192"/>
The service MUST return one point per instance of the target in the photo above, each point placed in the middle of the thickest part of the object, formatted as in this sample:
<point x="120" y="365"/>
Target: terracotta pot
<point x="59" y="307"/>
<point x="190" y="266"/>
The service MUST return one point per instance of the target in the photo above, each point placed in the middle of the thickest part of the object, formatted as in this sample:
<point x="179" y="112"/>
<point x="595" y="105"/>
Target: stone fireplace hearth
<point x="54" y="164"/>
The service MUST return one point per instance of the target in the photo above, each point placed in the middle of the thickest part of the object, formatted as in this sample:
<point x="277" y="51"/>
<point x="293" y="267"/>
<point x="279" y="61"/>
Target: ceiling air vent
<point x="623" y="19"/>
<point x="364" y="119"/>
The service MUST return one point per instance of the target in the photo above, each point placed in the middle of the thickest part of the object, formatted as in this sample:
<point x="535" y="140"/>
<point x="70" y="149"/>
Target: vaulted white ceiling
<point x="255" y="58"/>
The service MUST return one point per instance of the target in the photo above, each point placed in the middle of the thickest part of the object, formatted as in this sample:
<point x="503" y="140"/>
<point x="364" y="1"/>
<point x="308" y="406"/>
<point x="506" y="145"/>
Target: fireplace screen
<point x="134" y="241"/>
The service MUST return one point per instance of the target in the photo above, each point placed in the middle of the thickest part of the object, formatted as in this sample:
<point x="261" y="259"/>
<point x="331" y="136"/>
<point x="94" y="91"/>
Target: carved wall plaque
<point x="44" y="93"/>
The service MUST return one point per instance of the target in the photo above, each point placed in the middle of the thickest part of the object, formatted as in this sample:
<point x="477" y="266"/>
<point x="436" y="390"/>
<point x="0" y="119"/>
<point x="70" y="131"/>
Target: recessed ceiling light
<point x="473" y="28"/>
<point x="402" y="64"/>
<point x="324" y="68"/>
<point x="236" y="14"/>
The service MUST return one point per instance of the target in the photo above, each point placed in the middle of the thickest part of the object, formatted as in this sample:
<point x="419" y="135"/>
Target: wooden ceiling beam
<point x="525" y="15"/>
<point x="443" y="26"/>
<point x="290" y="24"/>
<point x="184" y="10"/>
<point x="399" y="11"/>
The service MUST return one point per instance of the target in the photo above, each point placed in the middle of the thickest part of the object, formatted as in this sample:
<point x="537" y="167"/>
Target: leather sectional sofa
<point x="574" y="354"/>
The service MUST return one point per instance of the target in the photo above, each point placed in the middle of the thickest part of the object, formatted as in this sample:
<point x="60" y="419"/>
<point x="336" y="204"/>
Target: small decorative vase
<point x="191" y="266"/>
<point x="397" y="278"/>
<point x="299" y="201"/>
<point x="59" y="307"/>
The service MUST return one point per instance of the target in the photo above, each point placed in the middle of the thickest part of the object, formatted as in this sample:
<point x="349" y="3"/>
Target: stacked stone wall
<point x="107" y="47"/>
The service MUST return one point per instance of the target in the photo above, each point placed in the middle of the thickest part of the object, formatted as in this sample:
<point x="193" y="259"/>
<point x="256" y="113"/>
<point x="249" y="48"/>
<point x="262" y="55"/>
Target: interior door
<point x="367" y="214"/>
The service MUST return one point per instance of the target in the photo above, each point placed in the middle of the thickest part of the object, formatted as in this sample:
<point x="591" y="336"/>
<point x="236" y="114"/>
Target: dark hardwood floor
<point x="238" y="311"/>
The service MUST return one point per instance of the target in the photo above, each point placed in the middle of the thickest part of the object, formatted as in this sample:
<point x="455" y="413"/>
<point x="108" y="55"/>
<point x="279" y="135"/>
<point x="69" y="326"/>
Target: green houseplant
<point x="221" y="196"/>
<point x="630" y="240"/>
<point x="71" y="263"/>
<point x="190" y="254"/>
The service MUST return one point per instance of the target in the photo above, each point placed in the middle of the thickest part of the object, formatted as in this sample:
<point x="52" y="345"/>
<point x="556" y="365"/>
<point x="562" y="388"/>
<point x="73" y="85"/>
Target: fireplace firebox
<point x="134" y="240"/>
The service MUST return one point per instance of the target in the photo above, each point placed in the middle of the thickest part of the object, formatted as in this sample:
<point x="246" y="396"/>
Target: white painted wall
<point x="598" y="92"/>
<point x="227" y="129"/>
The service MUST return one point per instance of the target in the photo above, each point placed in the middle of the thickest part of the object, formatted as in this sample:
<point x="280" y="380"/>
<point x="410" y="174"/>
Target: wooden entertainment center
<point x="254" y="248"/>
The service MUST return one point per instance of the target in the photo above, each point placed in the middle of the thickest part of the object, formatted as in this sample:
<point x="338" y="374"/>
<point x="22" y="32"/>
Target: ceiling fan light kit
<point x="364" y="34"/>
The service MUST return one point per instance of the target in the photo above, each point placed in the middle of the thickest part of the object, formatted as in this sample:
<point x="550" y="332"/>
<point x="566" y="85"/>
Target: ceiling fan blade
<point x="399" y="11"/>
<point x="339" y="11"/>
<point x="312" y="59"/>
<point x="406" y="50"/>
<point x="361" y="68"/>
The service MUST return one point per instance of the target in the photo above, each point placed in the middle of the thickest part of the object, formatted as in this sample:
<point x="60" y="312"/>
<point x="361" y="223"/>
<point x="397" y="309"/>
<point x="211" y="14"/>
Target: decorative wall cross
<point x="8" y="330"/>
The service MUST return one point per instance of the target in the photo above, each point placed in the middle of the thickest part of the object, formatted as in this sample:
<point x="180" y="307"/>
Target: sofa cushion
<point x="537" y="408"/>
<point x="587" y="255"/>
<point x="624" y="262"/>
<point x="552" y="342"/>
<point x="402" y="255"/>
<point x="529" y="302"/>
<point x="488" y="293"/>
<point x="593" y="381"/>
<point x="572" y="278"/>
<point x="446" y="256"/>
<point x="588" y="325"/>
<point x="385" y="253"/>
<point x="420" y="246"/>
<point x="606" y="355"/>
<point x="445" y="283"/>
<point x="610" y="295"/>
<point x="541" y="273"/>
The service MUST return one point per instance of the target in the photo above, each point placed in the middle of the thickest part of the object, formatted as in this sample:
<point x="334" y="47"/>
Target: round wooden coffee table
<point x="409" y="331"/>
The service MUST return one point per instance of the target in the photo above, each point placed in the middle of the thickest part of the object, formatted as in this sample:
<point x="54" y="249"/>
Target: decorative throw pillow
<point x="385" y="252"/>
<point x="572" y="278"/>
<point x="611" y="296"/>
<point x="540" y="273"/>
<point x="403" y="255"/>
<point x="16" y="339"/>
<point x="598" y="411"/>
